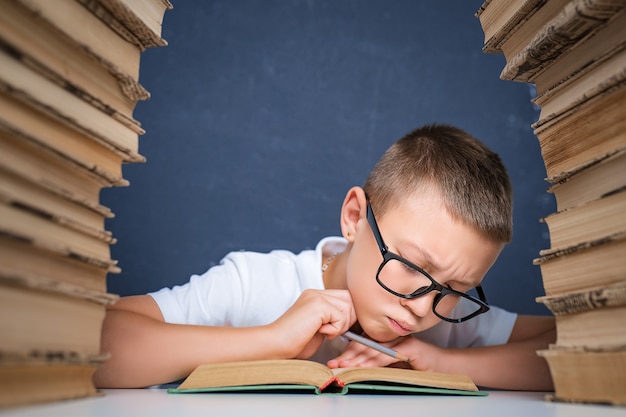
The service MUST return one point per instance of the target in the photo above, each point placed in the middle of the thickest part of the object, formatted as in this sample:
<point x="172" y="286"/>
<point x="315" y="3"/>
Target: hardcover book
<point x="293" y="375"/>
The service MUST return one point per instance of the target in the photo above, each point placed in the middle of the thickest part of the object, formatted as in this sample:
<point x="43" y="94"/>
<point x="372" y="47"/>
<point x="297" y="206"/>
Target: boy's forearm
<point x="512" y="366"/>
<point x="145" y="351"/>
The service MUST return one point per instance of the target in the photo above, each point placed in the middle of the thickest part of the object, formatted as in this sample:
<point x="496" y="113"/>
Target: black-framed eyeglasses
<point x="404" y="279"/>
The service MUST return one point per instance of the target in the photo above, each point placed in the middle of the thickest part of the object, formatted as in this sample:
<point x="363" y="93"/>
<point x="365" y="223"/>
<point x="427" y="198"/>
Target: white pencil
<point x="376" y="346"/>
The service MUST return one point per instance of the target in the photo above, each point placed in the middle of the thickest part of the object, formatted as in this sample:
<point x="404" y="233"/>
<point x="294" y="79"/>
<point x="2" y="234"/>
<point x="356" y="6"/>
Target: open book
<point x="286" y="375"/>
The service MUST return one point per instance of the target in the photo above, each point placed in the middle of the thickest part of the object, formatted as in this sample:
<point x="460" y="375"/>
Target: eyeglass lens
<point x="403" y="279"/>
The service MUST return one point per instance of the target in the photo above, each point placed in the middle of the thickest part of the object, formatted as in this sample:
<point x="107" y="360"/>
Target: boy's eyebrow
<point x="435" y="265"/>
<point x="424" y="253"/>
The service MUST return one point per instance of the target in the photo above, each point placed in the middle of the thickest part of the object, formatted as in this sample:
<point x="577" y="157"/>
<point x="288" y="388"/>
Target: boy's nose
<point x="420" y="306"/>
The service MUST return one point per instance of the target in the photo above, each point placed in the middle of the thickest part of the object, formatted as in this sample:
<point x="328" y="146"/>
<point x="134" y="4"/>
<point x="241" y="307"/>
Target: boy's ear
<point x="353" y="209"/>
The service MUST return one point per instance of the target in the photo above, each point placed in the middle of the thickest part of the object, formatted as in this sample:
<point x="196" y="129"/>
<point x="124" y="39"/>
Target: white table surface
<point x="157" y="402"/>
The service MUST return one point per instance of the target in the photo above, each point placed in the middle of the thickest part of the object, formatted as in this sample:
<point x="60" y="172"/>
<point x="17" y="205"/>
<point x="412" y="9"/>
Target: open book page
<point x="293" y="375"/>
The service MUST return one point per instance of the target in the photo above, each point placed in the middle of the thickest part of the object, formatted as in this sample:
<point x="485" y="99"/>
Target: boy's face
<point x="421" y="231"/>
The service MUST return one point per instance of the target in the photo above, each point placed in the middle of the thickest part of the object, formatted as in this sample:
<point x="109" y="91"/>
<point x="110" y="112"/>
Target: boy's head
<point x="438" y="205"/>
<point x="470" y="178"/>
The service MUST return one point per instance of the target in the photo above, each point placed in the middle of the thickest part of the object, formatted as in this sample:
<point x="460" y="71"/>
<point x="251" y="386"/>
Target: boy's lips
<point x="400" y="327"/>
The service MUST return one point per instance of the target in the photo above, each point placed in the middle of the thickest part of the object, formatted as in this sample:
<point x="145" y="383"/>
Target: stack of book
<point x="69" y="73"/>
<point x="574" y="52"/>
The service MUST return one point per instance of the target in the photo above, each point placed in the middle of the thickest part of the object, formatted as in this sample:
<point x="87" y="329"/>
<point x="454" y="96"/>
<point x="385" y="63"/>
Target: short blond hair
<point x="471" y="178"/>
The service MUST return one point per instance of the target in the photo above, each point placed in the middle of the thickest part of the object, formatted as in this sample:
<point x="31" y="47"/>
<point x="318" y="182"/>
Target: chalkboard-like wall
<point x="264" y="113"/>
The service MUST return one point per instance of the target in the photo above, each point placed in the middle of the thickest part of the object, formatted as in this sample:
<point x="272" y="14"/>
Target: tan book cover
<point x="574" y="21"/>
<point x="298" y="375"/>
<point x="44" y="316"/>
<point x="584" y="266"/>
<point x="587" y="376"/>
<point x="500" y="18"/>
<point x="592" y="51"/>
<point x="598" y="178"/>
<point x="141" y="19"/>
<point x="22" y="258"/>
<point x="586" y="133"/>
<point x="71" y="17"/>
<point x="29" y="379"/>
<point x="39" y="92"/>
<point x="41" y="45"/>
<point x="606" y="296"/>
<point x="565" y="97"/>
<point x="588" y="221"/>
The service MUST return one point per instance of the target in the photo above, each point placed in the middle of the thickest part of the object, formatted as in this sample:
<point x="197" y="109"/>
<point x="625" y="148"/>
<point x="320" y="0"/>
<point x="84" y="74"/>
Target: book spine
<point x="578" y="19"/>
<point x="565" y="176"/>
<point x="40" y="283"/>
<point x="125" y="23"/>
<point x="60" y="249"/>
<point x="40" y="68"/>
<point x="575" y="55"/>
<point x="609" y="84"/>
<point x="507" y="30"/>
<point x="552" y="253"/>
<point x="579" y="302"/>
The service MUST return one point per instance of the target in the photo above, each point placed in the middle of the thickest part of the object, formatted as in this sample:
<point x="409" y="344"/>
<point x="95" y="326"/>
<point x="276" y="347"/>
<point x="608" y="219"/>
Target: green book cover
<point x="355" y="388"/>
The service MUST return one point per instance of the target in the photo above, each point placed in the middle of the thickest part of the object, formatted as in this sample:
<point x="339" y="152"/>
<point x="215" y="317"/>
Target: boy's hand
<point x="316" y="314"/>
<point x="422" y="355"/>
<point x="357" y="354"/>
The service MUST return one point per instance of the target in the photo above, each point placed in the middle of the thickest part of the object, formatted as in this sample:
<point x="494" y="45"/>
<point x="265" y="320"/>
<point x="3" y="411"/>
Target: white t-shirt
<point x="251" y="289"/>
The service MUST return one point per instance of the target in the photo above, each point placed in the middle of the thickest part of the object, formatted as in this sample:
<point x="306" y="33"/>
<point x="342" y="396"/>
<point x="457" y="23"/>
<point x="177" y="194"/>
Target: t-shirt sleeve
<point x="245" y="289"/>
<point x="207" y="299"/>
<point x="492" y="328"/>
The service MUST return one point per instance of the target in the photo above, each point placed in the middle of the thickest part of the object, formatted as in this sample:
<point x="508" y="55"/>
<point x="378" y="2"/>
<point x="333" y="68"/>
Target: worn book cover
<point x="292" y="375"/>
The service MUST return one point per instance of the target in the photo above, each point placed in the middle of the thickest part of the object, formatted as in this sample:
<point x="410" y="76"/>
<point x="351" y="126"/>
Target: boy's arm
<point x="514" y="365"/>
<point x="146" y="351"/>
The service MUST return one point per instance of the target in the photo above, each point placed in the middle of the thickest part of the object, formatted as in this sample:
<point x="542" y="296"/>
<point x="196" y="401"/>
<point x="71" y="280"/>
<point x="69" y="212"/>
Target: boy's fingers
<point x="318" y="313"/>
<point x="337" y="323"/>
<point x="339" y="315"/>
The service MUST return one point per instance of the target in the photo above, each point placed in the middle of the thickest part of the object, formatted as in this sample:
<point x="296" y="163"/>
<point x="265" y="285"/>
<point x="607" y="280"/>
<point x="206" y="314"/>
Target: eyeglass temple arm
<point x="481" y="294"/>
<point x="372" y="221"/>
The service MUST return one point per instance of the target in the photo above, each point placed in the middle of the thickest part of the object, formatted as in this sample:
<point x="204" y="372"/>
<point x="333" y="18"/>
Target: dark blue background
<point x="264" y="112"/>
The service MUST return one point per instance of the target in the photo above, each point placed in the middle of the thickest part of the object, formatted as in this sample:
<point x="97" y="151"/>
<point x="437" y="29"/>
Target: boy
<point x="431" y="219"/>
